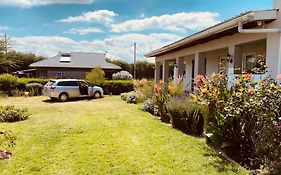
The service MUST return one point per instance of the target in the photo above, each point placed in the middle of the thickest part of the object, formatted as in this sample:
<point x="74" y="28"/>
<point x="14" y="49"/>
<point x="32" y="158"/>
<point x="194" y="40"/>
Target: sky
<point x="45" y="27"/>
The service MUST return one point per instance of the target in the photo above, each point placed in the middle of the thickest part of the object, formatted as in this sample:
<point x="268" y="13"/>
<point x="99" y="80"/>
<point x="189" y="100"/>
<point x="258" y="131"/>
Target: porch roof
<point x="225" y="28"/>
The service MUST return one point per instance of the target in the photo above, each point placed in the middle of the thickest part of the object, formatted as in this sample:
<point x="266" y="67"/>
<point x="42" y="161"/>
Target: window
<point x="65" y="58"/>
<point x="67" y="83"/>
<point x="62" y="74"/>
<point x="253" y="63"/>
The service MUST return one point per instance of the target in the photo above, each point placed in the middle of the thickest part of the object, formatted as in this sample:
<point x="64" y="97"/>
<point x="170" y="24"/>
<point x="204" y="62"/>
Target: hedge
<point x="116" y="87"/>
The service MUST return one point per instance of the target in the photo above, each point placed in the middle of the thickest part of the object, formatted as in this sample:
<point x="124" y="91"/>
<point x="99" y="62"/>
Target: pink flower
<point x="279" y="77"/>
<point x="200" y="79"/>
<point x="249" y="76"/>
<point x="262" y="81"/>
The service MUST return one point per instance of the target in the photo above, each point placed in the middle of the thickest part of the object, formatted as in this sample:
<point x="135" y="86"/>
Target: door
<point x="193" y="75"/>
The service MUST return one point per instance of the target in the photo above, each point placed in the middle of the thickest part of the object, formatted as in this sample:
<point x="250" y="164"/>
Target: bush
<point x="148" y="106"/>
<point x="124" y="96"/>
<point x="8" y="83"/>
<point x="116" y="87"/>
<point x="34" y="89"/>
<point x="122" y="75"/>
<point x="186" y="115"/>
<point x="25" y="81"/>
<point x="6" y="140"/>
<point x="144" y="88"/>
<point x="12" y="114"/>
<point x="243" y="119"/>
<point x="132" y="98"/>
<point x="96" y="76"/>
<point x="160" y="98"/>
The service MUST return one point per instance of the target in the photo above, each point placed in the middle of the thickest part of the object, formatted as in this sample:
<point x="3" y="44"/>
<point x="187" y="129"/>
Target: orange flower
<point x="204" y="90"/>
<point x="200" y="79"/>
<point x="249" y="76"/>
<point x="262" y="81"/>
<point x="279" y="77"/>
<point x="250" y="90"/>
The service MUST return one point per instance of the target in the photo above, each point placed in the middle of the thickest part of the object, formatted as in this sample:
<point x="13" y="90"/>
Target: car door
<point x="70" y="87"/>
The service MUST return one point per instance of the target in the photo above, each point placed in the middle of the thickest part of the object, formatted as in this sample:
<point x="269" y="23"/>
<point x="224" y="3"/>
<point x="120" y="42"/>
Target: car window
<point x="67" y="83"/>
<point x="50" y="83"/>
<point x="83" y="83"/>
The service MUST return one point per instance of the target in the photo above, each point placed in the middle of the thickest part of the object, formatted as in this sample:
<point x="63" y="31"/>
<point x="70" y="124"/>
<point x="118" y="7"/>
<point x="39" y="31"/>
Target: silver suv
<point x="64" y="89"/>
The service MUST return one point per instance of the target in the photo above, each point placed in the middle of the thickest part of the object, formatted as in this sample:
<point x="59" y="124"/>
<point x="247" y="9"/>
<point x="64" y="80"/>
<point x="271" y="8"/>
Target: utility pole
<point x="5" y="44"/>
<point x="135" y="59"/>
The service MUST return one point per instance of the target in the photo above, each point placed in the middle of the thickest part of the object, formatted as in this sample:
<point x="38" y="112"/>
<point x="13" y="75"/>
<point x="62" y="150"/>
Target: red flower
<point x="249" y="76"/>
<point x="200" y="79"/>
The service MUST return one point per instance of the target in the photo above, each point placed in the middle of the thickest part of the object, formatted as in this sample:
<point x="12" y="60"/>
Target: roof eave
<point x="263" y="15"/>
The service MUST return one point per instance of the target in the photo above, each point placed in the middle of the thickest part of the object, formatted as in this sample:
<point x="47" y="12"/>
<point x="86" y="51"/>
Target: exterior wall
<point x="212" y="58"/>
<point x="69" y="73"/>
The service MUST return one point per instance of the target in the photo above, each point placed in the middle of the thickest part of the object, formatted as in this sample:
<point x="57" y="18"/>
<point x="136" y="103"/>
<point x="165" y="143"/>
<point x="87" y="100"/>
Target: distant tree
<point x="144" y="69"/>
<point x="13" y="61"/>
<point x="123" y="64"/>
<point x="96" y="76"/>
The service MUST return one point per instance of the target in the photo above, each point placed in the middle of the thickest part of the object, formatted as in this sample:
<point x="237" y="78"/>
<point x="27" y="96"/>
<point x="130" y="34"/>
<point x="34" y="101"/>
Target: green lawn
<point x="104" y="136"/>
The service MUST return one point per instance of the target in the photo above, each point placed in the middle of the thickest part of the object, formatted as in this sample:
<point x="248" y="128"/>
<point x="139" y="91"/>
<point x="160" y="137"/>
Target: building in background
<point x="234" y="46"/>
<point x="73" y="65"/>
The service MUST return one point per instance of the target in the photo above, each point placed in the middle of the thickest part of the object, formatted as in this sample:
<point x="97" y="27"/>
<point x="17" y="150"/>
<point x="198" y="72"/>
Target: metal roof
<point x="208" y="33"/>
<point x="77" y="60"/>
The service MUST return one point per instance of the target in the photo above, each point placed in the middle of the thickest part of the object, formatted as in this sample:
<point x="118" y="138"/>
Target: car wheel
<point x="63" y="97"/>
<point x="97" y="94"/>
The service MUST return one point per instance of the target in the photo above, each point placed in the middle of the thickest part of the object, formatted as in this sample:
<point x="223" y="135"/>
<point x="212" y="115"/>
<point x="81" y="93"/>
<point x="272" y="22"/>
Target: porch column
<point x="199" y="67"/>
<point x="273" y="54"/>
<point x="230" y="61"/>
<point x="157" y="71"/>
<point x="176" y="72"/>
<point x="165" y="70"/>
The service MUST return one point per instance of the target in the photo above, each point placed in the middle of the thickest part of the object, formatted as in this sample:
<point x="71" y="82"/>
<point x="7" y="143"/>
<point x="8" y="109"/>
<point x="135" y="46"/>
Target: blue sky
<point x="47" y="26"/>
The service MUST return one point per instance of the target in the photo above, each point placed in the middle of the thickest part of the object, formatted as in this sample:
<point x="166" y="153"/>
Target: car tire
<point x="97" y="94"/>
<point x="63" y="97"/>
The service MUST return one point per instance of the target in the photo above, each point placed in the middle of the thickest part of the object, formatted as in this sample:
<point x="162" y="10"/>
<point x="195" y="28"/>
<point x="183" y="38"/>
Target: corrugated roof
<point x="78" y="60"/>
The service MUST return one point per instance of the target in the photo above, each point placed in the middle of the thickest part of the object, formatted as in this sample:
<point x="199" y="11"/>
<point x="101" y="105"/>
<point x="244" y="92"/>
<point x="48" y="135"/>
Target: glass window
<point x="62" y="74"/>
<point x="254" y="64"/>
<point x="67" y="83"/>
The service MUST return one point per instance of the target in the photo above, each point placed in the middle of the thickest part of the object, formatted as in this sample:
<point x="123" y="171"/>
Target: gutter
<point x="241" y="30"/>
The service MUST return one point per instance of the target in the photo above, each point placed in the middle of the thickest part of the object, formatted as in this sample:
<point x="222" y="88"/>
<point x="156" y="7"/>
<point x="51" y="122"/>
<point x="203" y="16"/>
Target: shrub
<point x="116" y="87"/>
<point x="243" y="119"/>
<point x="25" y="81"/>
<point x="34" y="88"/>
<point x="132" y="98"/>
<point x="186" y="115"/>
<point x="122" y="75"/>
<point x="96" y="76"/>
<point x="148" y="106"/>
<point x="124" y="96"/>
<point x="8" y="83"/>
<point x="144" y="88"/>
<point x="160" y="98"/>
<point x="176" y="89"/>
<point x="12" y="114"/>
<point x="6" y="139"/>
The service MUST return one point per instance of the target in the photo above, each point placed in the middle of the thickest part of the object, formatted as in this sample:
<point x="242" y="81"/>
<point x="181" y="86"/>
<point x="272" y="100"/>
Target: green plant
<point x="34" y="89"/>
<point x="6" y="139"/>
<point x="242" y="119"/>
<point x="116" y="87"/>
<point x="96" y="76"/>
<point x="12" y="114"/>
<point x="132" y="97"/>
<point x="124" y="96"/>
<point x="8" y="83"/>
<point x="148" y="106"/>
<point x="186" y="115"/>
<point x="144" y="88"/>
<point x="176" y="89"/>
<point x="160" y="98"/>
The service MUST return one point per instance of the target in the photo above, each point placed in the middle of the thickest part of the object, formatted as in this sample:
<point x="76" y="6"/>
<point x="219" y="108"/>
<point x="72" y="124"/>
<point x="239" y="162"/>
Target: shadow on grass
<point x="70" y="100"/>
<point x="221" y="164"/>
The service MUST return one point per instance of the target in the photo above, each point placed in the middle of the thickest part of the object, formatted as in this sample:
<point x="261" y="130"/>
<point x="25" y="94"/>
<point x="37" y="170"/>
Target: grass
<point x="104" y="136"/>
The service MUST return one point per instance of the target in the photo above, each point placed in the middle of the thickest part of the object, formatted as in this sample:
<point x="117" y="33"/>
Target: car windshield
<point x="50" y="83"/>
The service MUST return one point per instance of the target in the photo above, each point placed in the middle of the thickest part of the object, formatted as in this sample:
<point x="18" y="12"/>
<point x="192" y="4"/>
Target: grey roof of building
<point x="78" y="60"/>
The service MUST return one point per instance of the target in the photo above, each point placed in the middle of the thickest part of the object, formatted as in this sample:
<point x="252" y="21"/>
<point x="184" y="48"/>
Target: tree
<point x="96" y="76"/>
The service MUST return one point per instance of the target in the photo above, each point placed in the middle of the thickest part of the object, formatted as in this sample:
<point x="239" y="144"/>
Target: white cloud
<point x="4" y="28"/>
<point x="118" y="46"/>
<point x="31" y="3"/>
<point x="99" y="16"/>
<point x="179" y="22"/>
<point x="84" y="31"/>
